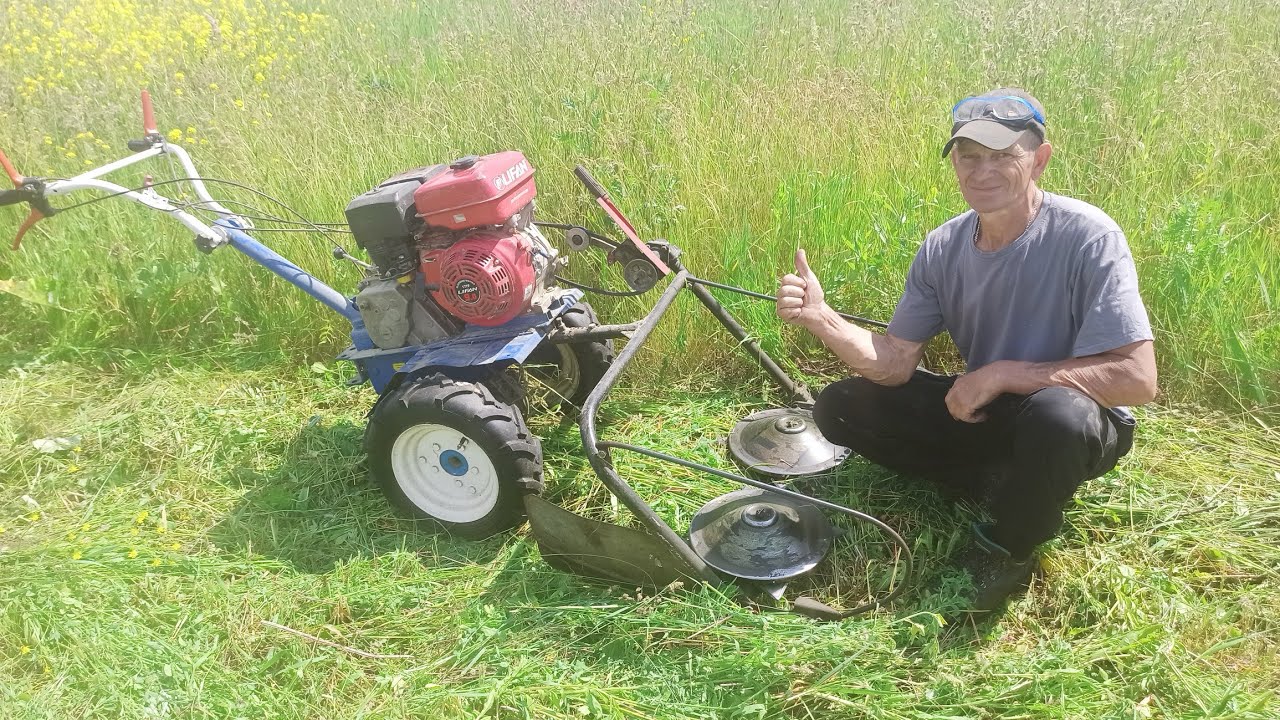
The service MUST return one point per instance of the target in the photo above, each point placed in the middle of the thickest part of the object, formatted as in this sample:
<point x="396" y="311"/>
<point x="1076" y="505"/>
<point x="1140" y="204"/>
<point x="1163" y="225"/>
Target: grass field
<point x="212" y="476"/>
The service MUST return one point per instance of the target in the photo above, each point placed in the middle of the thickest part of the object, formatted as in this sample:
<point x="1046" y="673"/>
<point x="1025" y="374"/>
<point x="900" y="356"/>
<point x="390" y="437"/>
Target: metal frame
<point x="228" y="229"/>
<point x="150" y="198"/>
<point x="599" y="455"/>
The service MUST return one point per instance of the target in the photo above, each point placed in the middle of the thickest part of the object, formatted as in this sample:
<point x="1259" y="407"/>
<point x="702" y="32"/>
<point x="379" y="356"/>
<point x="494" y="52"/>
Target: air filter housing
<point x="384" y="218"/>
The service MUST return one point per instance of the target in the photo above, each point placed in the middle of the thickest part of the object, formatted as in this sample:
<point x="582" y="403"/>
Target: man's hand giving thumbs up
<point x="800" y="296"/>
<point x="880" y="358"/>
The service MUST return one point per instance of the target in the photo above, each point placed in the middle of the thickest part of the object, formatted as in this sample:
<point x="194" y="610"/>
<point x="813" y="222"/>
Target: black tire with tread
<point x="472" y="409"/>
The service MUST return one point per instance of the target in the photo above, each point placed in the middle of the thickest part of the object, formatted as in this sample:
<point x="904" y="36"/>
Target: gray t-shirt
<point x="1065" y="288"/>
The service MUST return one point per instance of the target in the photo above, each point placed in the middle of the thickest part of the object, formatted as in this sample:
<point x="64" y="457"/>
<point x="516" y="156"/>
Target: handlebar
<point x="38" y="191"/>
<point x="12" y="197"/>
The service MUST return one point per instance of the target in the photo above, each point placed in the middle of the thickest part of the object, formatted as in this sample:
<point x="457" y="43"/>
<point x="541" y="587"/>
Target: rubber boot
<point x="996" y="574"/>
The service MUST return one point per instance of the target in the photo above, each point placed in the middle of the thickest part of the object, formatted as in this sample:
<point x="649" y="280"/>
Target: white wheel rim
<point x="567" y="374"/>
<point x="444" y="473"/>
<point x="562" y="380"/>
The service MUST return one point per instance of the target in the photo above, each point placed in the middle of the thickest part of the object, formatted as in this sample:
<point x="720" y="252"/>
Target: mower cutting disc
<point x="757" y="535"/>
<point x="783" y="442"/>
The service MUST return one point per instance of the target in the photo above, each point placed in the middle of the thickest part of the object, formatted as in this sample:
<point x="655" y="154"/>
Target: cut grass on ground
<point x="138" y="565"/>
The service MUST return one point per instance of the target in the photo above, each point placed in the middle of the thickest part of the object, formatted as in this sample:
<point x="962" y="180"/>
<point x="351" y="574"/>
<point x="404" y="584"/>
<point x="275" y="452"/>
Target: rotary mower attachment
<point x="761" y="536"/>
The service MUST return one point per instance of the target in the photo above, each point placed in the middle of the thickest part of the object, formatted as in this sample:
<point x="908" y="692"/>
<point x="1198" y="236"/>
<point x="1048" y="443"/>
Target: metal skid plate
<point x="602" y="550"/>
<point x="478" y="345"/>
<point x="758" y="535"/>
<point x="783" y="442"/>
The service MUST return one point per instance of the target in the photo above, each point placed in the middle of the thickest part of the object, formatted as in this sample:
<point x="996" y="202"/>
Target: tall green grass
<point x="739" y="130"/>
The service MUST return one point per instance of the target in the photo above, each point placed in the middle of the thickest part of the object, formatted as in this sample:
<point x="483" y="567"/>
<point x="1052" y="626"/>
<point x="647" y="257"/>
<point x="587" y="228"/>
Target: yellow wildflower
<point x="155" y="562"/>
<point x="34" y="516"/>
<point x="175" y="135"/>
<point x="141" y="517"/>
<point x="24" y="650"/>
<point x="175" y="546"/>
<point x="133" y="553"/>
<point x="74" y="468"/>
<point x="123" y="44"/>
<point x="75" y="555"/>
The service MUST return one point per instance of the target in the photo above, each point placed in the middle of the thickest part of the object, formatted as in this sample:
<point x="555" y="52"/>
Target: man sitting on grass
<point x="1039" y="293"/>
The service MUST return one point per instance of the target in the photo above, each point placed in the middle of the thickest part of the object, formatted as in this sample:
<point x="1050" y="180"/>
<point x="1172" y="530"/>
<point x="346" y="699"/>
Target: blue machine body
<point x="475" y="346"/>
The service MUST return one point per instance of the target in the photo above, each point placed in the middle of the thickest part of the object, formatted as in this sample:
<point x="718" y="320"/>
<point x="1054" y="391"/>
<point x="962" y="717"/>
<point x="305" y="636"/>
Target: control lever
<point x="602" y="198"/>
<point x="340" y="253"/>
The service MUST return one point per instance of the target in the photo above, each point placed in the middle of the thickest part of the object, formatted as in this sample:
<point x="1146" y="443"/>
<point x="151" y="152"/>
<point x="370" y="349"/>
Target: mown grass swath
<point x="198" y="503"/>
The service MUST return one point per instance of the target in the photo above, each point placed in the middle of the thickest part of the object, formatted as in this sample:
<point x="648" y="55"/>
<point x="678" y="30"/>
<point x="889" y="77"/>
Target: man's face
<point x="992" y="180"/>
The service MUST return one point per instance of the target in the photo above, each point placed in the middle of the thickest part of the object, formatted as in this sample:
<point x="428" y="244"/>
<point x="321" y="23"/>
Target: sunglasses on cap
<point x="1008" y="109"/>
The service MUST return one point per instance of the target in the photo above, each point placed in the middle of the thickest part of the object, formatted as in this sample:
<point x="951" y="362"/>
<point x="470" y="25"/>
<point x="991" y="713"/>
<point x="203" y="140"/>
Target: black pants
<point x="1023" y="463"/>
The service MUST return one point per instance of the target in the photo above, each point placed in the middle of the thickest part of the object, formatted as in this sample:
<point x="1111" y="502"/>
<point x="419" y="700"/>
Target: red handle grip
<point x="8" y="168"/>
<point x="593" y="186"/>
<point x="148" y="115"/>
<point x="35" y="217"/>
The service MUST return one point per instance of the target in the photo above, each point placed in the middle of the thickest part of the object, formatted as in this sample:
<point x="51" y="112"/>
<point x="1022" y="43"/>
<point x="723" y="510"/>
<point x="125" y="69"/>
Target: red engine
<point x="486" y="278"/>
<point x="481" y="254"/>
<point x="467" y="229"/>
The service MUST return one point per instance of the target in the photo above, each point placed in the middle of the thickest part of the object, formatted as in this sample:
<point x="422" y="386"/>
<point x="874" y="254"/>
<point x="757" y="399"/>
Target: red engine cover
<point x="477" y="191"/>
<point x="486" y="278"/>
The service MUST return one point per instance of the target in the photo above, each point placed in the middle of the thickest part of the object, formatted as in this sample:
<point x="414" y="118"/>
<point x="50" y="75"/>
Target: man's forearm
<point x="1110" y="379"/>
<point x="876" y="357"/>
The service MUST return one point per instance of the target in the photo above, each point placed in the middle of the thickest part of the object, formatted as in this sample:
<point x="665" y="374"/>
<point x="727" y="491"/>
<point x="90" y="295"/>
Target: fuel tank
<point x="476" y="191"/>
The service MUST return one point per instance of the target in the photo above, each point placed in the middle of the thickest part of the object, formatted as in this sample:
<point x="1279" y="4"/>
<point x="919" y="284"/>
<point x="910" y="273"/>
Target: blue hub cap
<point x="454" y="463"/>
